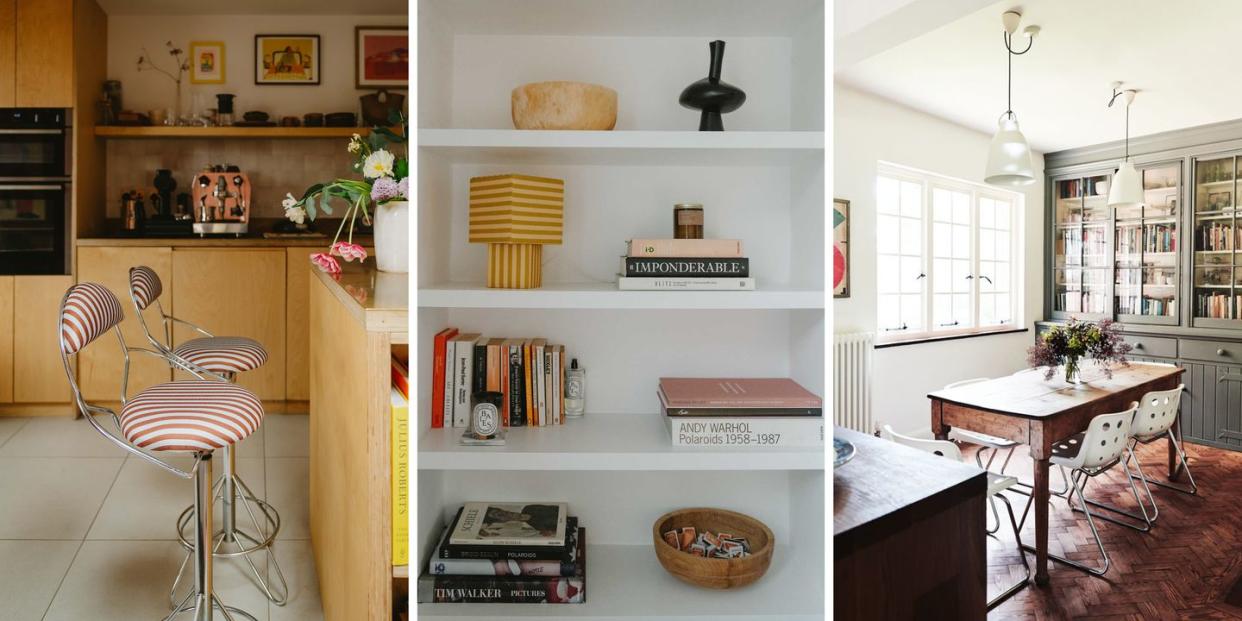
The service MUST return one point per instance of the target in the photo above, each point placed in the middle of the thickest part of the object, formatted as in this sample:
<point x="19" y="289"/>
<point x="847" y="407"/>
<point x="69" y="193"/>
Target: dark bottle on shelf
<point x="712" y="96"/>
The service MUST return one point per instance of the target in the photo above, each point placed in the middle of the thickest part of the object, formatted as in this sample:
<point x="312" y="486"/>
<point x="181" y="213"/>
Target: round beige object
<point x="564" y="105"/>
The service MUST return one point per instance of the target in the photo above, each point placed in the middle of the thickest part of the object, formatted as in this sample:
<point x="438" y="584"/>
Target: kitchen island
<point x="357" y="320"/>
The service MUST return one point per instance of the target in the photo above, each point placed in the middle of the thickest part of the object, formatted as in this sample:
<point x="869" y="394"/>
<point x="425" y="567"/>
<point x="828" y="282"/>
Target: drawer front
<point x="1211" y="351"/>
<point x="1158" y="346"/>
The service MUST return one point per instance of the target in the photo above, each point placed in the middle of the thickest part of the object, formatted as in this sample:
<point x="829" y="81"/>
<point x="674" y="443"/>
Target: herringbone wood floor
<point x="1181" y="569"/>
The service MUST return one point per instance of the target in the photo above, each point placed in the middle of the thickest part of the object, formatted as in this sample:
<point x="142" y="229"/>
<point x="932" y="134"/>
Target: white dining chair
<point x="997" y="483"/>
<point x="988" y="442"/>
<point x="1089" y="454"/>
<point x="1157" y="412"/>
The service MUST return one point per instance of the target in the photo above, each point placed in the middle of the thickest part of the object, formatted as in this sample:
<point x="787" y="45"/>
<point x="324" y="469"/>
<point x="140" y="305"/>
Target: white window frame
<point x="1017" y="283"/>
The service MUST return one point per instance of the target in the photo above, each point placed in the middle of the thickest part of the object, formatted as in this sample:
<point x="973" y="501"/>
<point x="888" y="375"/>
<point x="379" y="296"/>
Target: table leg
<point x="1041" y="521"/>
<point x="939" y="430"/>
<point x="1174" y="464"/>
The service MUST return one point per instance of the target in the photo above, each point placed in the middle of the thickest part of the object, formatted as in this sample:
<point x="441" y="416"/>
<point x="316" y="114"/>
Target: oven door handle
<point x="32" y="186"/>
<point x="31" y="132"/>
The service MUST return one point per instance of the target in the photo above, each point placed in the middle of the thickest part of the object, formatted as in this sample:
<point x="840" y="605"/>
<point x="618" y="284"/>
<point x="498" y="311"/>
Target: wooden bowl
<point x="715" y="573"/>
<point x="564" y="105"/>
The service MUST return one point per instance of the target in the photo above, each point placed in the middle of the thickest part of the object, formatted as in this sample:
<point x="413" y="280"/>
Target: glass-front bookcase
<point x="1217" y="270"/>
<point x="1082" y="266"/>
<point x="1145" y="250"/>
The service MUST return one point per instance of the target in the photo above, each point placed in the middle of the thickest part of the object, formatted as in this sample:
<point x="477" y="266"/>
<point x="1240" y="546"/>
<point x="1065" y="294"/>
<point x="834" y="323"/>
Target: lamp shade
<point x="1127" y="187"/>
<point x="1009" y="157"/>
<point x="516" y="209"/>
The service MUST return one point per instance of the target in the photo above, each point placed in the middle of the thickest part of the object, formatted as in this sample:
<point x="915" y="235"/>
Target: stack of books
<point x="400" y="477"/>
<point x="528" y="372"/>
<point x="753" y="412"/>
<point x="685" y="264"/>
<point x="492" y="552"/>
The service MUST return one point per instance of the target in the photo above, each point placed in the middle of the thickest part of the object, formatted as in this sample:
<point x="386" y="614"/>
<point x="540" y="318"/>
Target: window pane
<point x="889" y="314"/>
<point x="1002" y="215"/>
<point x="987" y="309"/>
<point x="987" y="244"/>
<point x="961" y="309"/>
<point x="911" y="236"/>
<point x="912" y="311"/>
<point x="887" y="274"/>
<point x="911" y="267"/>
<point x="1002" y="247"/>
<point x="961" y="208"/>
<point x="961" y="241"/>
<point x="1000" y="279"/>
<point x="987" y="278"/>
<point x="942" y="240"/>
<point x="911" y="199"/>
<point x="886" y="234"/>
<point x="942" y="205"/>
<point x="942" y="275"/>
<point x="942" y="310"/>
<point x="886" y="199"/>
<point x="1003" y="311"/>
<point x="987" y="212"/>
<point x="961" y="274"/>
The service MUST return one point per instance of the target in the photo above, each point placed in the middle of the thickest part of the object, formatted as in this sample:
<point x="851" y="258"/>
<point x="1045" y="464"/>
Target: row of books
<point x="528" y="372"/>
<point x="685" y="264"/>
<point x="1091" y="242"/>
<point x="1217" y="236"/>
<point x="753" y="412"/>
<point x="1136" y="305"/>
<point x="1075" y="188"/>
<point x="1150" y="238"/>
<point x="508" y="553"/>
<point x="1081" y="302"/>
<point x="1217" y="305"/>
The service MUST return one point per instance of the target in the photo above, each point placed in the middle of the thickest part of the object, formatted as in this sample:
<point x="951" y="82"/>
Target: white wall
<point x="147" y="90"/>
<point x="868" y="129"/>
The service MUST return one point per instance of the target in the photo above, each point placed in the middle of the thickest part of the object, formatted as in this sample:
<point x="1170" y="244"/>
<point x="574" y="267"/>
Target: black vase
<point x="711" y="95"/>
<point x="164" y="184"/>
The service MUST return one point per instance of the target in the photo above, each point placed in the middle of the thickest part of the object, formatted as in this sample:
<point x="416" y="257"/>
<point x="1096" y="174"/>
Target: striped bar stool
<point x="196" y="417"/>
<point x="220" y="358"/>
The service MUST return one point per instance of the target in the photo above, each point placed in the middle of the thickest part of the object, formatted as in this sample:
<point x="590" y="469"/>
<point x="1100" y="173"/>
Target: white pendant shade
<point x="1127" y="187"/>
<point x="1009" y="157"/>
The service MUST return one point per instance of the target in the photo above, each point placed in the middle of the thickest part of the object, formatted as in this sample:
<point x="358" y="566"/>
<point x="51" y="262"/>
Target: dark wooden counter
<point x="908" y="534"/>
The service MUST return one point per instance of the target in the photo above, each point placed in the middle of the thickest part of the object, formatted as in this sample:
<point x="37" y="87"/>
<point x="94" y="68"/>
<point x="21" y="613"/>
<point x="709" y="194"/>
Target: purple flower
<point x="384" y="189"/>
<point x="403" y="187"/>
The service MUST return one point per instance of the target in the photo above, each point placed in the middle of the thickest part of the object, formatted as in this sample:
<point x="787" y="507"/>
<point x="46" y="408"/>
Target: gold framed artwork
<point x="381" y="56"/>
<point x="207" y="62"/>
<point x="840" y="248"/>
<point x="286" y="59"/>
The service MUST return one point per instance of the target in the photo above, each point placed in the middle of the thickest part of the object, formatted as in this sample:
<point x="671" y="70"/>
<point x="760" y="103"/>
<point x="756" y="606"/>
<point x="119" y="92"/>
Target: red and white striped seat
<point x="223" y="354"/>
<point x="190" y="416"/>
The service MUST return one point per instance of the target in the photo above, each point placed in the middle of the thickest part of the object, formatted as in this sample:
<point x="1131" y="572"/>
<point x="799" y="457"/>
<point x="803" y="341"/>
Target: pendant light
<point x="1009" y="156"/>
<point x="1127" y="187"/>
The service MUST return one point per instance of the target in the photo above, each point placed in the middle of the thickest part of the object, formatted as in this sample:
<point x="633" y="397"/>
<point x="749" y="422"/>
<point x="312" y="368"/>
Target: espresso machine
<point x="221" y="202"/>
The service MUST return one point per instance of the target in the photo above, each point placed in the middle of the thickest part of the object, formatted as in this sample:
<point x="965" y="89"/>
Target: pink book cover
<point x="694" y="248"/>
<point x="750" y="392"/>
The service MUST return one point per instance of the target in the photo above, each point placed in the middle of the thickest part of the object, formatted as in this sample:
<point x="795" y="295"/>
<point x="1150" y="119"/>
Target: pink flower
<point x="325" y="263"/>
<point x="349" y="251"/>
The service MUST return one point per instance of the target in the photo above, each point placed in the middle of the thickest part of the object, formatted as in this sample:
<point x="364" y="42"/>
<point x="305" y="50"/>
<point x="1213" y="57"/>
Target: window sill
<point x="947" y="337"/>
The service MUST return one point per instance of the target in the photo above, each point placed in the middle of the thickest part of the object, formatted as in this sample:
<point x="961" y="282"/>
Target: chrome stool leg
<point x="1090" y="522"/>
<point x="1144" y="518"/>
<point x="202" y="601"/>
<point x="1017" y="535"/>
<point x="1183" y="465"/>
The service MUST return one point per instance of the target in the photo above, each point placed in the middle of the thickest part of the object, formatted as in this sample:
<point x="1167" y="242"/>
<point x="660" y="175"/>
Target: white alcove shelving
<point x="760" y="181"/>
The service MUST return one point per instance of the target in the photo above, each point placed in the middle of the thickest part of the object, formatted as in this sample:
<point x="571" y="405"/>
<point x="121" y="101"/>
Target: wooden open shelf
<point x="227" y="132"/>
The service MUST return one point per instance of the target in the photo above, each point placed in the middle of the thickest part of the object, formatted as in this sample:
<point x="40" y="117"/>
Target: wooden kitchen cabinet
<point x="297" y="327"/>
<point x="8" y="53"/>
<point x="100" y="368"/>
<point x="235" y="293"/>
<point x="38" y="373"/>
<point x="6" y="339"/>
<point x="43" y="63"/>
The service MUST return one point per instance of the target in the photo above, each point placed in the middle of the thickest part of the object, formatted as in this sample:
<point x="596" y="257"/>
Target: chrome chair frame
<point x="203" y="593"/>
<point x="227" y="488"/>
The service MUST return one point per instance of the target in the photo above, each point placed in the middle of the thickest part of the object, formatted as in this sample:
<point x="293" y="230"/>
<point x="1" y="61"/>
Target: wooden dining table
<point x="1030" y="410"/>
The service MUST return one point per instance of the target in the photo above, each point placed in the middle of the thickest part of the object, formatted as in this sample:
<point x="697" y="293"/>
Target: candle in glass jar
<point x="688" y="221"/>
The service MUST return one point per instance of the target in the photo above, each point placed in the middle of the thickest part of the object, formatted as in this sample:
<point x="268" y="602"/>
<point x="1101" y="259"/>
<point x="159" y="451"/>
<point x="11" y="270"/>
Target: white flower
<point x="289" y="201"/>
<point x="355" y="144"/>
<point x="378" y="164"/>
<point x="296" y="214"/>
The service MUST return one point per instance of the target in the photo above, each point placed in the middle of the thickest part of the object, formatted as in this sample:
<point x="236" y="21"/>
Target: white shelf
<point x="621" y="147"/>
<point x="627" y="442"/>
<point x="607" y="296"/>
<point x="624" y="582"/>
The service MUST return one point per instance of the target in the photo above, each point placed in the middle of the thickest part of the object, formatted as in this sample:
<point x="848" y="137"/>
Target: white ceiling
<point x="254" y="7"/>
<point x="1177" y="54"/>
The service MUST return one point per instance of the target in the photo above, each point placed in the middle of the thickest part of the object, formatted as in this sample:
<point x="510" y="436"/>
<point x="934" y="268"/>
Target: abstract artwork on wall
<point x="207" y="62"/>
<point x="286" y="59"/>
<point x="840" y="248"/>
<point x="381" y="57"/>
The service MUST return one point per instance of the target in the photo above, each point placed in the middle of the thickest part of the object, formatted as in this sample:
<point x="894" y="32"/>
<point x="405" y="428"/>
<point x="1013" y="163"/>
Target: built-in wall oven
<point x="35" y="176"/>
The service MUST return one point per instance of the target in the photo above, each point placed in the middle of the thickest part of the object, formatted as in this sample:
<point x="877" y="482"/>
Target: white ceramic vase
<point x="392" y="236"/>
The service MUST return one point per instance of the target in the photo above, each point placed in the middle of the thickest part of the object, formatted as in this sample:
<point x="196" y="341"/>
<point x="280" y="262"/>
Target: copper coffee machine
<point x="221" y="202"/>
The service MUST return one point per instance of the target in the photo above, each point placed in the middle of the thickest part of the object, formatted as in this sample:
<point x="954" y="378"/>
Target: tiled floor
<point x="89" y="533"/>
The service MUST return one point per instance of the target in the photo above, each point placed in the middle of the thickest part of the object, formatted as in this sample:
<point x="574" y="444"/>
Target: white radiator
<point x="851" y="365"/>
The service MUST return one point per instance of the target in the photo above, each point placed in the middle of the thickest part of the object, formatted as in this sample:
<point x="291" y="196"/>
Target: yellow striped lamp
<point x="515" y="215"/>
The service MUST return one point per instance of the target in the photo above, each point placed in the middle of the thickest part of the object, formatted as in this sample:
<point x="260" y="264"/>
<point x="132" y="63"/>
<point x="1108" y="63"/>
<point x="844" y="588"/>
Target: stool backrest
<point x="1106" y="438"/>
<point x="943" y="448"/>
<point x="87" y="311"/>
<point x="144" y="286"/>
<point x="1157" y="412"/>
<point x="966" y="382"/>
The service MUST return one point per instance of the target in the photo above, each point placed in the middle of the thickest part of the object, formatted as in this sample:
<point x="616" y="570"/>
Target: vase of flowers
<point x="382" y="194"/>
<point x="1066" y="346"/>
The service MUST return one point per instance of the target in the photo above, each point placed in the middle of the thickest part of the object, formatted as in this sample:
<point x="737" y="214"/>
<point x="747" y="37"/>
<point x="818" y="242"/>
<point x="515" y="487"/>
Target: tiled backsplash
<point x="273" y="166"/>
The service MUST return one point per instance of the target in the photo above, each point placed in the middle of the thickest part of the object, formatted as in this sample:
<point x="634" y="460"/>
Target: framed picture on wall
<point x="286" y="59"/>
<point x="207" y="62"/>
<point x="381" y="57"/>
<point x="840" y="248"/>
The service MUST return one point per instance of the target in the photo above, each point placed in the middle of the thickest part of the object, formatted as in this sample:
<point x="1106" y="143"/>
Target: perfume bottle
<point x="575" y="390"/>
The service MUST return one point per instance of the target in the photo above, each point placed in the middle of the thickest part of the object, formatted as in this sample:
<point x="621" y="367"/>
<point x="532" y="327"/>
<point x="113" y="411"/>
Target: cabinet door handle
<point x="1229" y="377"/>
<point x="1138" y="346"/>
<point x="1221" y="352"/>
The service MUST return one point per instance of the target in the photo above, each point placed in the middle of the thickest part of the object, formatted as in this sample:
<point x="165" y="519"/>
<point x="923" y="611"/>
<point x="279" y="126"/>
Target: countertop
<point x="888" y="486"/>
<point x="245" y="241"/>
<point x="379" y="300"/>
